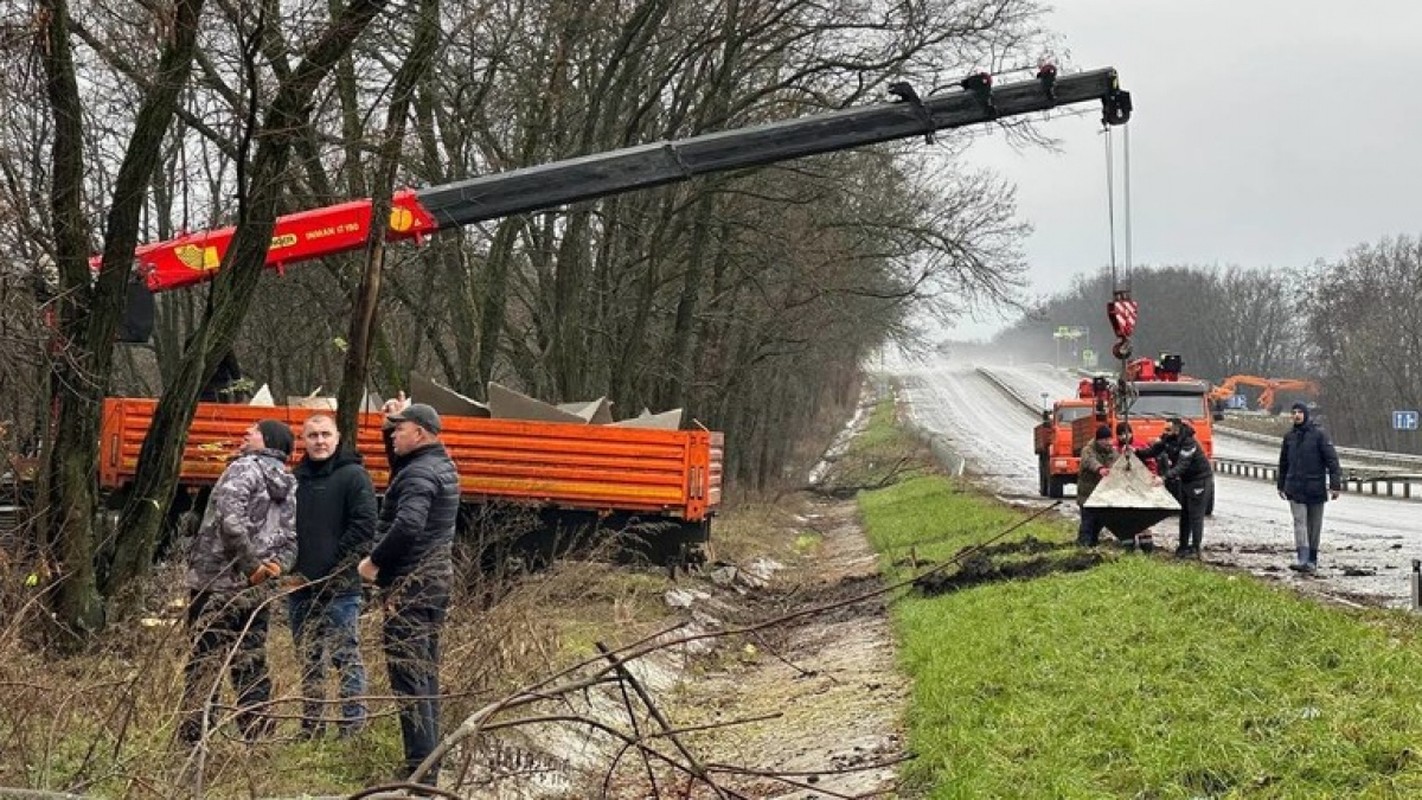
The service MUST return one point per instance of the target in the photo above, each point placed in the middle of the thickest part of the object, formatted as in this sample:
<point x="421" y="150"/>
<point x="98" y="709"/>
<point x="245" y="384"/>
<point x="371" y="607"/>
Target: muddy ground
<point x="831" y="676"/>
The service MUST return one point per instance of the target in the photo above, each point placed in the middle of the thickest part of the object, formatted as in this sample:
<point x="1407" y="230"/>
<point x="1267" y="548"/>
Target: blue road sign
<point x="1404" y="420"/>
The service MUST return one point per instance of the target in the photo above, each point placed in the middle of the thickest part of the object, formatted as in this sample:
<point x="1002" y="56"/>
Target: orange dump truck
<point x="587" y="474"/>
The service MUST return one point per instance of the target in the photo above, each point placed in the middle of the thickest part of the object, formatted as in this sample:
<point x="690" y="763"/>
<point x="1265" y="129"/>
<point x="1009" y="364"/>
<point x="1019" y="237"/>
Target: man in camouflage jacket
<point x="247" y="538"/>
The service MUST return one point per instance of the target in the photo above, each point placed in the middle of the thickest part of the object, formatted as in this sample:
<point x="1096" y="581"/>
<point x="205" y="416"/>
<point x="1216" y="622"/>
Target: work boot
<point x="1301" y="565"/>
<point x="1312" y="560"/>
<point x="189" y="733"/>
<point x="311" y="729"/>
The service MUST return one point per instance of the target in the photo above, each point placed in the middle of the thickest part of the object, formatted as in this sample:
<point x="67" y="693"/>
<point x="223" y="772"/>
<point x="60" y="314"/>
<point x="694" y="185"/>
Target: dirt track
<point x="832" y="677"/>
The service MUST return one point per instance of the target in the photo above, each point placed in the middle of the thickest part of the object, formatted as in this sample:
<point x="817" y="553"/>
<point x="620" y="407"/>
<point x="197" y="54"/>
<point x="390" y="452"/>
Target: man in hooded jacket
<point x="1193" y="476"/>
<point x="246" y="539"/>
<point x="335" y="522"/>
<point x="1309" y="475"/>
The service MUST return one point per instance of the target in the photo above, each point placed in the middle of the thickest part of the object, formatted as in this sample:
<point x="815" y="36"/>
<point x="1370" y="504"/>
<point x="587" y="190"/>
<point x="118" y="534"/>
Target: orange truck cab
<point x="1057" y="459"/>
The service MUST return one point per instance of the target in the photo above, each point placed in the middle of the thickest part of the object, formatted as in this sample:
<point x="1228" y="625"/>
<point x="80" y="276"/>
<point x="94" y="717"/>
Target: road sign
<point x="1404" y="420"/>
<point x="1088" y="359"/>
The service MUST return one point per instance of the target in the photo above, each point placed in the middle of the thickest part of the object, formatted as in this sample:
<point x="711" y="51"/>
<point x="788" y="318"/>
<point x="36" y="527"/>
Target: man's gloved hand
<point x="265" y="570"/>
<point x="1104" y="471"/>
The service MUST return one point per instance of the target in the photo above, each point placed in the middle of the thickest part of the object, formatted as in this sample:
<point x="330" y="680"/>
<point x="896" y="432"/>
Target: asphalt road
<point x="1368" y="542"/>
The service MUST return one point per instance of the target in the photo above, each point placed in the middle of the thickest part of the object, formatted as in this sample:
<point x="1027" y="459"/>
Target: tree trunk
<point x="89" y="312"/>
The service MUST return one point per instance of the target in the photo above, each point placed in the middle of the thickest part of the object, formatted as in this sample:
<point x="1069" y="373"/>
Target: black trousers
<point x="1192" y="513"/>
<point x="234" y="633"/>
<point x="413" y="619"/>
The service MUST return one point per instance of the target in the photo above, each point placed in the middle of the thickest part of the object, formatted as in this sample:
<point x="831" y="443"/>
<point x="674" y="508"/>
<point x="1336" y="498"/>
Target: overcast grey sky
<point x="1266" y="133"/>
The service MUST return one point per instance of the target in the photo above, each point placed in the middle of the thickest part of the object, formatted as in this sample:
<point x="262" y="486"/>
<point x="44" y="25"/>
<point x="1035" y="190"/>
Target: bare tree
<point x="367" y="294"/>
<point x="1364" y="329"/>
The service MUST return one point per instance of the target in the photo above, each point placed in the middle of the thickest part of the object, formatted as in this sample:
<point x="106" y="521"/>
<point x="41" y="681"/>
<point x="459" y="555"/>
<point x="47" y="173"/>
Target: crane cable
<point x="1116" y="281"/>
<point x="1121" y="310"/>
<point x="1111" y="203"/>
<point x="1126" y="193"/>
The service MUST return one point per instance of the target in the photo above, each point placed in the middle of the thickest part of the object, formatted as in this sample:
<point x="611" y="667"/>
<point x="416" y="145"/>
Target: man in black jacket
<point x="1309" y="475"/>
<point x="335" y="522"/>
<point x="412" y="565"/>
<point x="1192" y="475"/>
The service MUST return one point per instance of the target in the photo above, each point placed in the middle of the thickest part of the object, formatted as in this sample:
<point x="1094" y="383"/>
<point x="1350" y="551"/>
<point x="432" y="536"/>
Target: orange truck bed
<point x="587" y="467"/>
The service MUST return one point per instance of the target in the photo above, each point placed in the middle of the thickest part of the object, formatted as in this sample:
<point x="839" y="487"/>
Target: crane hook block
<point x="1121" y="312"/>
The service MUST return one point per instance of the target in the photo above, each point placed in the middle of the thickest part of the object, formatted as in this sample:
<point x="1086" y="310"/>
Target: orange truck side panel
<point x="588" y="467"/>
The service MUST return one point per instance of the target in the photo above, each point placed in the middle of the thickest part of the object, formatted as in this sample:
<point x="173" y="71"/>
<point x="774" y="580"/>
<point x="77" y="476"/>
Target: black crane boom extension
<point x="643" y="166"/>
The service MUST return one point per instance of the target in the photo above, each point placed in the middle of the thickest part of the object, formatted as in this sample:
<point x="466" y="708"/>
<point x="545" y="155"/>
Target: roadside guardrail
<point x="1012" y="393"/>
<point x="1377" y="456"/>
<point x="1396" y="485"/>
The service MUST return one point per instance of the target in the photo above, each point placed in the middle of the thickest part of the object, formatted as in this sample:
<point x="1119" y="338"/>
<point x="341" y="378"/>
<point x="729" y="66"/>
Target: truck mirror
<point x="1046" y="415"/>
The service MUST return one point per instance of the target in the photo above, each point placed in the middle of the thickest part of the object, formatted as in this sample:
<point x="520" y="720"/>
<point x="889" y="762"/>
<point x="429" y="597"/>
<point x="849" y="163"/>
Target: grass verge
<point x="1139" y="676"/>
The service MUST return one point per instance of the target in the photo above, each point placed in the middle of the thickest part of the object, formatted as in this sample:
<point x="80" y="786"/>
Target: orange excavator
<point x="1270" y="387"/>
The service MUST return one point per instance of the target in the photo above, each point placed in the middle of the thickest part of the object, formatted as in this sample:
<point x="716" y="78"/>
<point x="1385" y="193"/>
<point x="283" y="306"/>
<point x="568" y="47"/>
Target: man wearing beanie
<point x="247" y="538"/>
<point x="412" y="565"/>
<point x="1309" y="475"/>
<point x="1096" y="460"/>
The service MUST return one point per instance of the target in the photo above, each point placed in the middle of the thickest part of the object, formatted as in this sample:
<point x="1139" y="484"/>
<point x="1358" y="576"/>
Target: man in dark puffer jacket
<point x="411" y="563"/>
<point x="335" y="522"/>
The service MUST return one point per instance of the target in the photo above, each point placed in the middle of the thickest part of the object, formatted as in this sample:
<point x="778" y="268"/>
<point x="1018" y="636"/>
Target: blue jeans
<point x="325" y="629"/>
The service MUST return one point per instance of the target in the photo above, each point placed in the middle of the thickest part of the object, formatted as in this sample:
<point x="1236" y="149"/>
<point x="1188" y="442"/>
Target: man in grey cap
<point x="412" y="565"/>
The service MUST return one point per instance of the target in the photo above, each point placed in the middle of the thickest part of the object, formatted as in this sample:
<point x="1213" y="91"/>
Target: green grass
<point x="1143" y="677"/>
